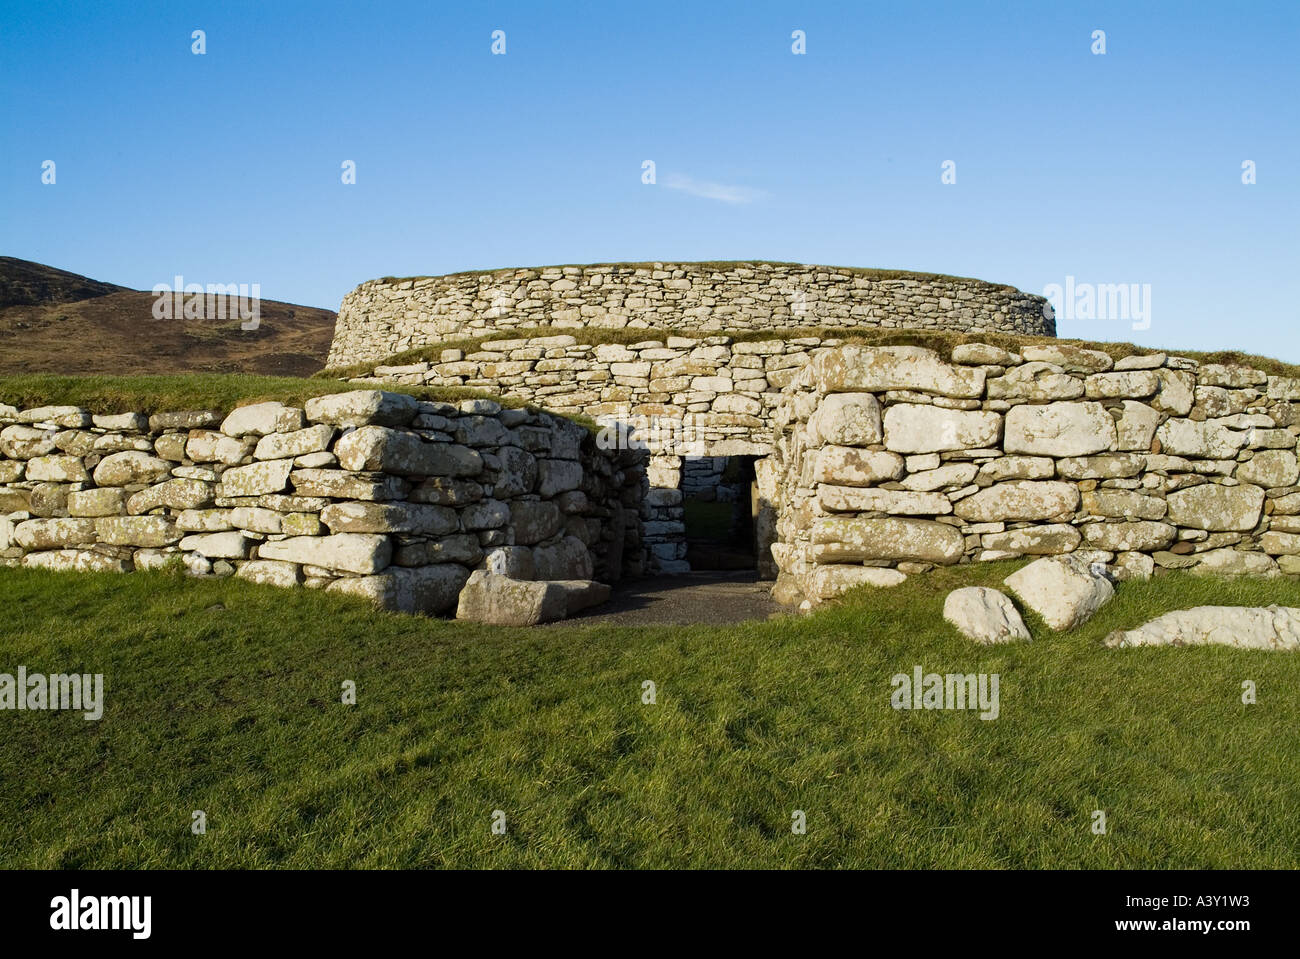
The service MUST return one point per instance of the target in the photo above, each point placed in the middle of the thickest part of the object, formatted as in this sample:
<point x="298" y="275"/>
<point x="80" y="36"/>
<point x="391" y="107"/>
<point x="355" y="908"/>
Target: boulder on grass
<point x="984" y="615"/>
<point x="1064" y="590"/>
<point x="1243" y="627"/>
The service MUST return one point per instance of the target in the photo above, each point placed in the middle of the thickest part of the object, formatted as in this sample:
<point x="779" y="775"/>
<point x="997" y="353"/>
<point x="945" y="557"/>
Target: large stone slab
<point x="377" y="448"/>
<point x="1216" y="508"/>
<point x="389" y="518"/>
<point x="1019" y="501"/>
<point x="841" y="539"/>
<point x="148" y="531"/>
<point x="1241" y="627"/>
<point x="1035" y="383"/>
<point x="845" y="419"/>
<point x="427" y="589"/>
<point x="827" y="582"/>
<point x="259" y="419"/>
<point x="363" y="408"/>
<point x="850" y="466"/>
<point x="1140" y="535"/>
<point x="917" y="428"/>
<point x="1064" y="590"/>
<point x="502" y="601"/>
<point x="1202" y="440"/>
<point x="984" y="615"/>
<point x="132" y="466"/>
<point x="257" y="479"/>
<point x="347" y="552"/>
<point x="1059" y="429"/>
<point x="874" y="369"/>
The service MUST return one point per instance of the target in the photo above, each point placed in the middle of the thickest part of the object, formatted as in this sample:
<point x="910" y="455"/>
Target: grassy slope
<point x="224" y="696"/>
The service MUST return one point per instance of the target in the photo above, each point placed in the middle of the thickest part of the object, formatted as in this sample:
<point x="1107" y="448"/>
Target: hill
<point x="53" y="321"/>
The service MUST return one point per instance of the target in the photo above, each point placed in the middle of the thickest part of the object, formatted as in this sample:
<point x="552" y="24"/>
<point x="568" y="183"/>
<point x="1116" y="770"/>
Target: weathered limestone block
<point x="874" y="369"/>
<point x="1215" y="507"/>
<point x="184" y="420"/>
<point x="1059" y="429"/>
<point x="1018" y="467"/>
<point x="951" y="474"/>
<point x="984" y="615"/>
<point x="1277" y="543"/>
<point x="229" y="545"/>
<point x="558" y="476"/>
<point x="981" y="354"/>
<point x="1102" y="466"/>
<point x="380" y="449"/>
<point x="390" y="518"/>
<point x="269" y="572"/>
<point x="460" y="548"/>
<point x="1045" y="539"/>
<point x="259" y="419"/>
<point x="150" y="531"/>
<point x="1136" y="426"/>
<point x="1073" y="359"/>
<point x="205" y="520"/>
<point x="76" y="561"/>
<point x="277" y="446"/>
<point x="42" y="534"/>
<point x="841" y="539"/>
<point x="26" y="442"/>
<point x="914" y="428"/>
<point x="493" y="514"/>
<point x="1177" y="392"/>
<point x="845" y="419"/>
<point x="103" y="501"/>
<point x="1203" y="440"/>
<point x="56" y="469"/>
<point x="342" y="484"/>
<point x="208" y="446"/>
<point x="363" y="408"/>
<point x="567" y="559"/>
<point x="123" y="469"/>
<point x="515" y="562"/>
<point x="502" y="601"/>
<point x="1227" y="561"/>
<point x="1139" y="536"/>
<point x="1123" y="503"/>
<point x="850" y="466"/>
<point x="534" y="521"/>
<point x="1035" y="383"/>
<point x="257" y="479"/>
<point x="1064" y="590"/>
<point x="1129" y="383"/>
<point x="347" y="552"/>
<point x="177" y="494"/>
<point x="1270" y="469"/>
<point x="1234" y="377"/>
<point x="857" y="499"/>
<point x="1242" y="627"/>
<point x="1018" y="501"/>
<point x="827" y="582"/>
<point x="425" y="589"/>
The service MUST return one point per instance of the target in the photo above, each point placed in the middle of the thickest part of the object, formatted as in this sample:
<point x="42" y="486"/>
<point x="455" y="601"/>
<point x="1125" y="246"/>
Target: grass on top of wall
<point x="941" y="341"/>
<point x="717" y="265"/>
<point x="194" y="391"/>
<point x="224" y="696"/>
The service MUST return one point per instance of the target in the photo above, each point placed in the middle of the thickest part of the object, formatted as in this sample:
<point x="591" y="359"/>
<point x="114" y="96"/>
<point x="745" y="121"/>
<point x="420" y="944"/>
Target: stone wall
<point x="368" y="493"/>
<point x="688" y="401"/>
<point x="889" y="460"/>
<point x="383" y="317"/>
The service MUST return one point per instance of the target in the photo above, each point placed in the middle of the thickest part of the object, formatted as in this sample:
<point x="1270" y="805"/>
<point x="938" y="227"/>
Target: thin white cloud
<point x="712" y="191"/>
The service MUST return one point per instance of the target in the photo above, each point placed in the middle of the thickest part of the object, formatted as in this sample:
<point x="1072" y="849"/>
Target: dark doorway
<point x="719" y="501"/>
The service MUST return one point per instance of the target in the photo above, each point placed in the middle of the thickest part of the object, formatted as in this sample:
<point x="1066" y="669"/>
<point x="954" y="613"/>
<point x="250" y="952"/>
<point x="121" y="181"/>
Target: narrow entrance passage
<point x="719" y="506"/>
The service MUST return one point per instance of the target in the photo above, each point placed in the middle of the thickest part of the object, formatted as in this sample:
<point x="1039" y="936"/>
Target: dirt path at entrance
<point x="704" y="597"/>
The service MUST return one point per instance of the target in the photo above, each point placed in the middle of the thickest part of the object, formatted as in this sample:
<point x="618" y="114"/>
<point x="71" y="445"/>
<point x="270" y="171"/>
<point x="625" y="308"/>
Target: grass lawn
<point x="225" y="697"/>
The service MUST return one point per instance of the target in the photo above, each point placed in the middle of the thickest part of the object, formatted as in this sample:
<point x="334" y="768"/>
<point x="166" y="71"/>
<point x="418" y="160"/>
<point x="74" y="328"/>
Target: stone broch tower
<point x="701" y="387"/>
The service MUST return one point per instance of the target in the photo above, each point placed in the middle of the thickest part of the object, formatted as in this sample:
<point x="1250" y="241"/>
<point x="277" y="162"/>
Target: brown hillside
<point x="52" y="321"/>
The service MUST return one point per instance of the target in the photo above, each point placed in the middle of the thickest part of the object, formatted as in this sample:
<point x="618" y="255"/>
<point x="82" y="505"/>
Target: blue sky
<point x="225" y="167"/>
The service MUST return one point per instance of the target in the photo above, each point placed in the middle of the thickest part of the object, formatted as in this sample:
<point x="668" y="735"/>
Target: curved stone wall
<point x="368" y="493"/>
<point x="889" y="461"/>
<point x="381" y="318"/>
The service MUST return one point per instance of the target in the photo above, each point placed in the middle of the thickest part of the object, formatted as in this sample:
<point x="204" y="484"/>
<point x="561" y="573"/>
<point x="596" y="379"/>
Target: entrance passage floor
<point x="712" y="596"/>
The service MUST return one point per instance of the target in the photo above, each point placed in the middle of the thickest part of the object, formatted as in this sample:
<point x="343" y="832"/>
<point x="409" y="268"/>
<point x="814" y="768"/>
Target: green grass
<point x="941" y="341"/>
<point x="224" y="696"/>
<point x="193" y="391"/>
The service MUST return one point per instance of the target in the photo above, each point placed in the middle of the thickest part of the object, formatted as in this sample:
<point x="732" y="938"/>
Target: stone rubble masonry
<point x="367" y="493"/>
<point x="891" y="458"/>
<point x="384" y="317"/>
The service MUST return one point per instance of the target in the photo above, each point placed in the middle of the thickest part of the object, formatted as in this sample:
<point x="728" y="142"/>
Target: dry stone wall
<point x="889" y="460"/>
<point x="368" y="493"/>
<point x="383" y="317"/>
